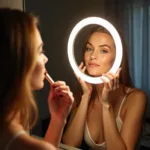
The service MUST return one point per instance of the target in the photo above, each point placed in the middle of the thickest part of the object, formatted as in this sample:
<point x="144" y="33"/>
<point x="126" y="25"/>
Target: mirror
<point x="108" y="55"/>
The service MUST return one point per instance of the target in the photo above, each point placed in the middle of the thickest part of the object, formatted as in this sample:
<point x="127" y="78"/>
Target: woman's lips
<point x="93" y="65"/>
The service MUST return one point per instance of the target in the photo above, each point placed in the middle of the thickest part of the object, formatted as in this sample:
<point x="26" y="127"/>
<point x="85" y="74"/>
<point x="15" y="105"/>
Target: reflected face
<point x="99" y="53"/>
<point x="38" y="76"/>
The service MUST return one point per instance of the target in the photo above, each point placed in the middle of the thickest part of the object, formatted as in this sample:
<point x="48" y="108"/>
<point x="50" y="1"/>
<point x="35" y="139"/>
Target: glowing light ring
<point x="117" y="40"/>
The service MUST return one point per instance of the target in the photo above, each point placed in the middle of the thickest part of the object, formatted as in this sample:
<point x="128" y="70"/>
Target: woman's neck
<point x="12" y="120"/>
<point x="12" y="126"/>
<point x="99" y="88"/>
<point x="16" y="118"/>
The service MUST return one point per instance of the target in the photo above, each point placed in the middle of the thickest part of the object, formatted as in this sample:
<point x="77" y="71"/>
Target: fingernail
<point x="57" y="93"/>
<point x="53" y="86"/>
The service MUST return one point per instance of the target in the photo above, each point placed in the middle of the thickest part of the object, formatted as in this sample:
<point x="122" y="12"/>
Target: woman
<point x="109" y="115"/>
<point x="22" y="71"/>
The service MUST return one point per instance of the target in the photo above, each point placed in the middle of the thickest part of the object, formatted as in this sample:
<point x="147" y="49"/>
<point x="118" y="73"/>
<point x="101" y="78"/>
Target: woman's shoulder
<point x="135" y="92"/>
<point x="32" y="143"/>
<point x="42" y="145"/>
<point x="136" y="96"/>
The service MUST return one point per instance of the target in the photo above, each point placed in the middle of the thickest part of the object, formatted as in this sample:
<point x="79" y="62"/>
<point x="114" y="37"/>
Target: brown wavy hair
<point x="17" y="46"/>
<point x="125" y="78"/>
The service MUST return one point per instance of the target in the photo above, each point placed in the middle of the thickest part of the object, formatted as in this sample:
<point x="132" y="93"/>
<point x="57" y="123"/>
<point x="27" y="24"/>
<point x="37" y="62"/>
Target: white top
<point x="88" y="139"/>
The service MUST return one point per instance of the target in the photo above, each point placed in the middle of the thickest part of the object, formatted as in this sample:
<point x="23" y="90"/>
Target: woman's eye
<point x="88" y="49"/>
<point x="103" y="51"/>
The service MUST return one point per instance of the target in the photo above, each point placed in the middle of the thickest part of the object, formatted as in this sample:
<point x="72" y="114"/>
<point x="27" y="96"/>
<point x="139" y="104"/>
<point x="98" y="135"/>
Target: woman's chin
<point x="94" y="74"/>
<point x="38" y="87"/>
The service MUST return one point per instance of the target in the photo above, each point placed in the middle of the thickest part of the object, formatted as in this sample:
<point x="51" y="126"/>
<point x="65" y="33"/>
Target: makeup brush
<point x="49" y="79"/>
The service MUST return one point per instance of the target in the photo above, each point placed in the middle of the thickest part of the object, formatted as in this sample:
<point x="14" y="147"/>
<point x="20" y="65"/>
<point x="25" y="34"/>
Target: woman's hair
<point x="17" y="48"/>
<point x="125" y="78"/>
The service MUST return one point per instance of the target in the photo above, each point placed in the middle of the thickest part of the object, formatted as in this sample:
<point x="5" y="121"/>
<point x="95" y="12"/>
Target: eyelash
<point x="42" y="51"/>
<point x="88" y="49"/>
<point x="104" y="51"/>
<point x="101" y="51"/>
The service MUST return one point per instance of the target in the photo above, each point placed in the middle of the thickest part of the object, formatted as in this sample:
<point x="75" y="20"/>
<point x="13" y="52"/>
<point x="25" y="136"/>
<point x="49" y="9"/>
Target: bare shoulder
<point x="136" y="97"/>
<point x="135" y="104"/>
<point x="31" y="143"/>
<point x="41" y="145"/>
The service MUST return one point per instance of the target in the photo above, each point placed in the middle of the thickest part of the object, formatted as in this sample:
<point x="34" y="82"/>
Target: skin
<point x="59" y="109"/>
<point x="101" y="119"/>
<point x="99" y="53"/>
<point x="38" y="75"/>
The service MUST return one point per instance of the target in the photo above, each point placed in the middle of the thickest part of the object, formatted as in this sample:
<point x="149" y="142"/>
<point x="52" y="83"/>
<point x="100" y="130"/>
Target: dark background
<point x="57" y="19"/>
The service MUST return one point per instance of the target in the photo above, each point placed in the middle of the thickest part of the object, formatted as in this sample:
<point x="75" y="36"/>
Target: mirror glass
<point x="98" y="46"/>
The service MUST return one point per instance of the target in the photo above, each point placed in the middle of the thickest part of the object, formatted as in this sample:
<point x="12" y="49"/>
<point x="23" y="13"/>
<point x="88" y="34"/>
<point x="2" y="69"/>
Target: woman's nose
<point x="45" y="59"/>
<point x="93" y="55"/>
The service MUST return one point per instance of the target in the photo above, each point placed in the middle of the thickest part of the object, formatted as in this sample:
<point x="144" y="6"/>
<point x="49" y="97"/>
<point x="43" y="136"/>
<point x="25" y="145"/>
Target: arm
<point x="74" y="132"/>
<point x="43" y="146"/>
<point x="26" y="142"/>
<point x="133" y="120"/>
<point x="60" y="102"/>
<point x="132" y="124"/>
<point x="54" y="131"/>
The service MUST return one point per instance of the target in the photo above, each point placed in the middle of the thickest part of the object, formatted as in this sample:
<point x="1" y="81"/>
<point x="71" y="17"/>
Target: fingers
<point x="58" y="83"/>
<point x="82" y="68"/>
<point x="68" y="96"/>
<point x="106" y="85"/>
<point x="112" y="82"/>
<point x="61" y="89"/>
<point x="59" y="86"/>
<point x="118" y="76"/>
<point x="118" y="72"/>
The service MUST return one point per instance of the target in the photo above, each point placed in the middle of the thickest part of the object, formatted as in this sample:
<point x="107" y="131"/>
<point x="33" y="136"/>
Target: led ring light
<point x="117" y="40"/>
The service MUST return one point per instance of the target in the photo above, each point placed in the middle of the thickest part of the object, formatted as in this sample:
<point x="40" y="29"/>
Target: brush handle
<point x="49" y="79"/>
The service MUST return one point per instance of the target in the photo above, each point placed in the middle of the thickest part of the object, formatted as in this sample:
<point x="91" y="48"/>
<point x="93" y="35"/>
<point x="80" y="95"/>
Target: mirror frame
<point x="71" y="41"/>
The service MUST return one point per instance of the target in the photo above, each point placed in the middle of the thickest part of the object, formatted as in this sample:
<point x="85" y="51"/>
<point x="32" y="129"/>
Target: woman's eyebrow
<point x="89" y="43"/>
<point x="105" y="45"/>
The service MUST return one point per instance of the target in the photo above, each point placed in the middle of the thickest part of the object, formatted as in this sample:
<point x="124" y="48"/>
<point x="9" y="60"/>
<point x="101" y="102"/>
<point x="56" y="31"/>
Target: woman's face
<point x="38" y="76"/>
<point x="99" y="53"/>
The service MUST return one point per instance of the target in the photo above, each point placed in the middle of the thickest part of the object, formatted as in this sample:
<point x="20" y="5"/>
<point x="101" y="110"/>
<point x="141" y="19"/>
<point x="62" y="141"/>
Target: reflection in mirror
<point x="95" y="78"/>
<point x="95" y="47"/>
<point x="104" y="114"/>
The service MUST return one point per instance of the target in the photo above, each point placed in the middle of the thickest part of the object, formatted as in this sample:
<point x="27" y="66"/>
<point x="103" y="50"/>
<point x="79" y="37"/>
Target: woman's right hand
<point x="60" y="100"/>
<point x="86" y="87"/>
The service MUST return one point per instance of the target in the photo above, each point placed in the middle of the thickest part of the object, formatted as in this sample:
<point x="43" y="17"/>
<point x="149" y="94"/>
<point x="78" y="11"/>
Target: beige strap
<point x="123" y="102"/>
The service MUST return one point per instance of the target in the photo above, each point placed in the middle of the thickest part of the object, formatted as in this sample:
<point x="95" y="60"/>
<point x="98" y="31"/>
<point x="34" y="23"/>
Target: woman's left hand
<point x="110" y="85"/>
